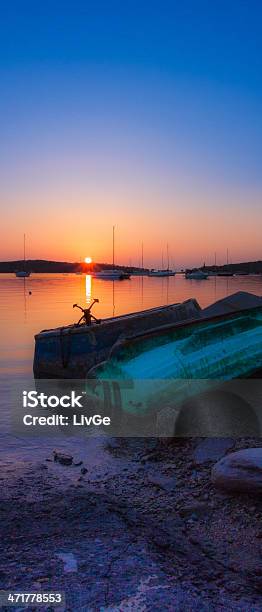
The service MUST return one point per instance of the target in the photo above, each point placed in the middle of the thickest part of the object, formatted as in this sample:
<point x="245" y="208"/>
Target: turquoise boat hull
<point x="166" y="366"/>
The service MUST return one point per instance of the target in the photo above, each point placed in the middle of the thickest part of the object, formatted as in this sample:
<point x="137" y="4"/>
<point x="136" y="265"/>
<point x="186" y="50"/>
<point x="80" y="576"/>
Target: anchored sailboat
<point x="111" y="274"/>
<point x="196" y="275"/>
<point x="23" y="273"/>
<point x="163" y="272"/>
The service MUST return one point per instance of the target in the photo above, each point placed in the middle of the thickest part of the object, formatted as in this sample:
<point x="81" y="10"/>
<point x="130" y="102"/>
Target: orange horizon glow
<point x="193" y="228"/>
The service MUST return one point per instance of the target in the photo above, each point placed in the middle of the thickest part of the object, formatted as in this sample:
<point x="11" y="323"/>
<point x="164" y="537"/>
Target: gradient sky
<point x="143" y="114"/>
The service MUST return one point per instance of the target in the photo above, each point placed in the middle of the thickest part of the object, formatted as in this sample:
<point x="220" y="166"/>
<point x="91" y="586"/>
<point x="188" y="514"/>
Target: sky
<point x="146" y="115"/>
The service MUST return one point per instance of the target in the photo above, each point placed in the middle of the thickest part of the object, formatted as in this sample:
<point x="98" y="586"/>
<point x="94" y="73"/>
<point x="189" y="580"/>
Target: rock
<point x="194" y="508"/>
<point x="69" y="560"/>
<point x="212" y="449"/>
<point x="162" y="482"/>
<point x="113" y="444"/>
<point x="153" y="456"/>
<point x="194" y="540"/>
<point x="240" y="471"/>
<point x="84" y="470"/>
<point x="63" y="458"/>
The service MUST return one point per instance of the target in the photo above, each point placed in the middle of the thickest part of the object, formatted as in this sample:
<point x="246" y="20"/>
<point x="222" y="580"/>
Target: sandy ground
<point x="142" y="529"/>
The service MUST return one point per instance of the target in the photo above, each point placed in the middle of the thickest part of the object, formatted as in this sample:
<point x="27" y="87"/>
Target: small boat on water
<point x="225" y="274"/>
<point x="197" y="275"/>
<point x="23" y="273"/>
<point x="161" y="273"/>
<point x="114" y="273"/>
<point x="111" y="275"/>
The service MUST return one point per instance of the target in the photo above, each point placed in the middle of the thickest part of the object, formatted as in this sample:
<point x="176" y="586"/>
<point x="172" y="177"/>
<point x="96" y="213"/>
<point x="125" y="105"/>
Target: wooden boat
<point x="71" y="351"/>
<point x="152" y="368"/>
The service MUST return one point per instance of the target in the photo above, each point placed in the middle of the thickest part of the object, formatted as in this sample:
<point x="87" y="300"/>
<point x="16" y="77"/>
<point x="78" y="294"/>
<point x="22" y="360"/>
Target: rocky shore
<point x="144" y="527"/>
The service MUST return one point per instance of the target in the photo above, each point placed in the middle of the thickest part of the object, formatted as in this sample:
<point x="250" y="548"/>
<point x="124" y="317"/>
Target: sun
<point x="88" y="260"/>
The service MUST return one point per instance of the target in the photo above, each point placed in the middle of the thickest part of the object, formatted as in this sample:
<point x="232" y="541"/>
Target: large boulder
<point x="240" y="471"/>
<point x="212" y="449"/>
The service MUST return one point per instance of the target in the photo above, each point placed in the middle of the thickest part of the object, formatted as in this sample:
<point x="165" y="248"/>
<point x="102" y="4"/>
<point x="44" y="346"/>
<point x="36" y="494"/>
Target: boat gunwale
<point x="86" y="328"/>
<point x="124" y="342"/>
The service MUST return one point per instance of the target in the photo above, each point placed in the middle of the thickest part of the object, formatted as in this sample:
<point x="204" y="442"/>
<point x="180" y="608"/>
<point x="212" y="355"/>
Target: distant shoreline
<point x="45" y="266"/>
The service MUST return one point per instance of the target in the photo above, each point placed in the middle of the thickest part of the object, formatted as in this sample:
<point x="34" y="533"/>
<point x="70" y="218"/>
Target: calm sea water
<point x="44" y="301"/>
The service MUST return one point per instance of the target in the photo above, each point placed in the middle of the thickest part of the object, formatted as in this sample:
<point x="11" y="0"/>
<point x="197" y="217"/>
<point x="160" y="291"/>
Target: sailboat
<point x="196" y="275"/>
<point x="159" y="273"/>
<point x="163" y="272"/>
<point x="170" y="272"/>
<point x="23" y="273"/>
<point x="111" y="274"/>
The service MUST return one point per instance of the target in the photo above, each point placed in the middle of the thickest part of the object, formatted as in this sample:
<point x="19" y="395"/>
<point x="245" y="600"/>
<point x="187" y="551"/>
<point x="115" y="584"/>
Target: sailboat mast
<point x="113" y="245"/>
<point x="24" y="248"/>
<point x="142" y="255"/>
<point x="167" y="254"/>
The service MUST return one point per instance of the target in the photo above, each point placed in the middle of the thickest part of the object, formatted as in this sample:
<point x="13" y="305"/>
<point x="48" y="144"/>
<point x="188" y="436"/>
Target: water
<point x="44" y="301"/>
<point x="52" y="295"/>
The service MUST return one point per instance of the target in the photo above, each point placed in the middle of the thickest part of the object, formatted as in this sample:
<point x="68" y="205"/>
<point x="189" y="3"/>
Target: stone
<point x="194" y="508"/>
<point x="113" y="444"/>
<point x="63" y="458"/>
<point x="240" y="471"/>
<point x="212" y="449"/>
<point x="162" y="482"/>
<point x="69" y="560"/>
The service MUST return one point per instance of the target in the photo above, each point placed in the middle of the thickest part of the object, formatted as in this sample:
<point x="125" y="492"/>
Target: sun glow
<point x="88" y="260"/>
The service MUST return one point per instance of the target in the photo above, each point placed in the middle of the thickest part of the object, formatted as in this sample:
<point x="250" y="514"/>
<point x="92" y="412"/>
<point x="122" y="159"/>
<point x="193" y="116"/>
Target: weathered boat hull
<point x="70" y="352"/>
<point x="157" y="367"/>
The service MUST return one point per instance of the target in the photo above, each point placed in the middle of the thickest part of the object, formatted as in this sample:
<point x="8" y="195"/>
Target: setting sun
<point x="88" y="260"/>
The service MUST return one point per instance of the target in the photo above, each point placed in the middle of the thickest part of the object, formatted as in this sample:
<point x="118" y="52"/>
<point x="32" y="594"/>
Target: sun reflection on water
<point x="88" y="288"/>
